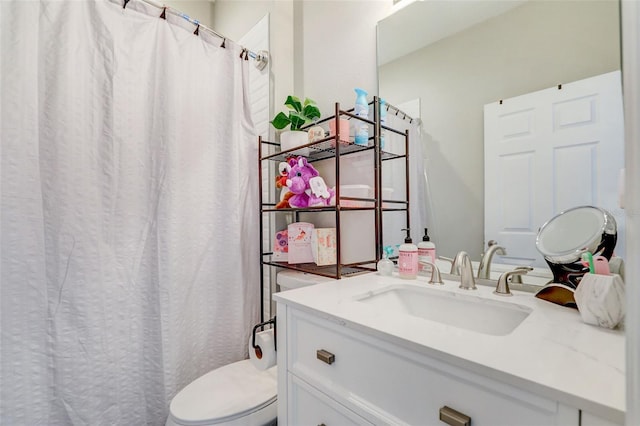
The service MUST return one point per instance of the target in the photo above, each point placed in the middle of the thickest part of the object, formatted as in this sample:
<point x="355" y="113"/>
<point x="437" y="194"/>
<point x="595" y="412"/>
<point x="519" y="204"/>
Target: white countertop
<point x="551" y="353"/>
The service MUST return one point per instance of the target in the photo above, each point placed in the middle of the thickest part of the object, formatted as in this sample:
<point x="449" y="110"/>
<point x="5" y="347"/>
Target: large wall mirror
<point x="458" y="56"/>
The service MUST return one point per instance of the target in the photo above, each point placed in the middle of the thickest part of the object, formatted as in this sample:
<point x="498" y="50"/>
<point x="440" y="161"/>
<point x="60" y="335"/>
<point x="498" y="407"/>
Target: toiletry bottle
<point x="426" y="251"/>
<point x="385" y="265"/>
<point x="361" y="109"/>
<point x="383" y="121"/>
<point x="408" y="259"/>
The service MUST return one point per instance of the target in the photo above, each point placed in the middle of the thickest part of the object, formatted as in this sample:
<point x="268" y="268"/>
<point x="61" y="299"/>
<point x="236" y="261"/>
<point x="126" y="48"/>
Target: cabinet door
<point x="388" y="385"/>
<point x="308" y="406"/>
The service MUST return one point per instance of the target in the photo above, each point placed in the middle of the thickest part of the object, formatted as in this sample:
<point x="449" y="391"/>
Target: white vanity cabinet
<point x="333" y="374"/>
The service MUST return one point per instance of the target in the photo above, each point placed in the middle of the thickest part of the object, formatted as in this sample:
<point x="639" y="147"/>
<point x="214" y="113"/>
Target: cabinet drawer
<point x="309" y="407"/>
<point x="388" y="384"/>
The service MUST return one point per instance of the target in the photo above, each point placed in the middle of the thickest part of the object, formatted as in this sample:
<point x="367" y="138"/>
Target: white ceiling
<point x="423" y="22"/>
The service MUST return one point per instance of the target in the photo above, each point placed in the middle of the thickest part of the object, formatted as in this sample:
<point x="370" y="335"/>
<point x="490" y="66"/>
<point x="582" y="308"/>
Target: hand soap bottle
<point x="408" y="259"/>
<point x="426" y="251"/>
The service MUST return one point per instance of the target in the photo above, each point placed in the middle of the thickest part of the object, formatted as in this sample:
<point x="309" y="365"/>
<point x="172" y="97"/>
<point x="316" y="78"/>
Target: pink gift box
<point x="299" y="239"/>
<point x="281" y="246"/>
<point x="323" y="244"/>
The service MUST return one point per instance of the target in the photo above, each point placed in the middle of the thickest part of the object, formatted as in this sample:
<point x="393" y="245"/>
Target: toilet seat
<point x="225" y="394"/>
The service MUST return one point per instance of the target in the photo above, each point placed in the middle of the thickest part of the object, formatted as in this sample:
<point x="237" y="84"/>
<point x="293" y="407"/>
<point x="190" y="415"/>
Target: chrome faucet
<point x="484" y="270"/>
<point x="467" y="281"/>
<point x="435" y="272"/>
<point x="502" y="289"/>
<point x="456" y="262"/>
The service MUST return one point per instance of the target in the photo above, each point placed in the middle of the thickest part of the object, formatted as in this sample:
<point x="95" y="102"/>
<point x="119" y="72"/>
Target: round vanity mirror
<point x="565" y="237"/>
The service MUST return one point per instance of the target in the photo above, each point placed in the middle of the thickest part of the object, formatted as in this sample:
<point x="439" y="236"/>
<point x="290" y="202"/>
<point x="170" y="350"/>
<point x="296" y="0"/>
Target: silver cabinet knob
<point x="454" y="418"/>
<point x="325" y="356"/>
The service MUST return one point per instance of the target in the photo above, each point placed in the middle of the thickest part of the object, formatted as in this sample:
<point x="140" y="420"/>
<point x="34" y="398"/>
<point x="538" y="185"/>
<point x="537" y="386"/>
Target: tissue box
<point x="281" y="246"/>
<point x="323" y="246"/>
<point x="299" y="241"/>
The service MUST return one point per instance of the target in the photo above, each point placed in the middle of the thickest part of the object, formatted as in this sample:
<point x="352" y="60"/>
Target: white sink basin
<point x="458" y="310"/>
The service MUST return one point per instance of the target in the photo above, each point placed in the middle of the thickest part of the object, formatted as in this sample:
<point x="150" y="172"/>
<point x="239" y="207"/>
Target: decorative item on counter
<point x="323" y="246"/>
<point x="426" y="251"/>
<point x="315" y="133"/>
<point x="564" y="239"/>
<point x="299" y="114"/>
<point x="361" y="109"/>
<point x="281" y="183"/>
<point x="601" y="299"/>
<point x="344" y="131"/>
<point x="299" y="242"/>
<point x="385" y="265"/>
<point x="281" y="246"/>
<point x="308" y="187"/>
<point x="408" y="258"/>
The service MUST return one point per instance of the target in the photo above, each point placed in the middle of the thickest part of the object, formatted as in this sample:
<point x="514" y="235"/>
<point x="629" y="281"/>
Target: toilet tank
<point x="289" y="280"/>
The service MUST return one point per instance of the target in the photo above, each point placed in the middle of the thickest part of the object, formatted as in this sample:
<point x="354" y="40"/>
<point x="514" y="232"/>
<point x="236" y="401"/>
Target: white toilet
<point x="237" y="394"/>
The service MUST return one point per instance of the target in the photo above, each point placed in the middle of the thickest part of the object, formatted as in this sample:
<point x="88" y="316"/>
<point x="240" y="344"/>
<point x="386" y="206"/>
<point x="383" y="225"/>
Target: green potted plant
<point x="298" y="115"/>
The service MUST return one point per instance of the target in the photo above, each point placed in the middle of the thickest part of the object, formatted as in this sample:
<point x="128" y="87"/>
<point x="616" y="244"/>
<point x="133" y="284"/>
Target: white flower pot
<point x="293" y="138"/>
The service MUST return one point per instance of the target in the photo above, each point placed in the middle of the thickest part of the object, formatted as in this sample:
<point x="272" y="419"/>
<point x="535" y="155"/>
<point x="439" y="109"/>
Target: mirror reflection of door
<point x="548" y="151"/>
<point x="529" y="47"/>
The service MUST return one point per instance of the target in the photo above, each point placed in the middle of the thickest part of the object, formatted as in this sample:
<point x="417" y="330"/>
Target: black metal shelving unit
<point x="331" y="148"/>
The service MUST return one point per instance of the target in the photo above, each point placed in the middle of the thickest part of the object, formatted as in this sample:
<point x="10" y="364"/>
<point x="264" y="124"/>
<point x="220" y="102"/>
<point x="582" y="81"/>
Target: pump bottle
<point x="408" y="259"/>
<point x="426" y="251"/>
<point x="361" y="130"/>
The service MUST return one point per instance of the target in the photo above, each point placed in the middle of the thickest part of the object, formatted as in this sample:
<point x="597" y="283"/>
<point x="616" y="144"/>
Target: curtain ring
<point x="197" y="31"/>
<point x="163" y="15"/>
<point x="224" y="40"/>
<point x="124" y="5"/>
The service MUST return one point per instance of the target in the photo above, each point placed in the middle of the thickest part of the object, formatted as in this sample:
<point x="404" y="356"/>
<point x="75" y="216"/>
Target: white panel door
<point x="548" y="151"/>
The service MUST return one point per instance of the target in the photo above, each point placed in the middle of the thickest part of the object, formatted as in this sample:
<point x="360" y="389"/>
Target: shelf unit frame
<point x="328" y="148"/>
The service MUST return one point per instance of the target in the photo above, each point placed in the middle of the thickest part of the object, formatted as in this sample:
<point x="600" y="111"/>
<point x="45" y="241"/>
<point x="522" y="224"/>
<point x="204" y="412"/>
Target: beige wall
<point x="313" y="45"/>
<point x="339" y="50"/>
<point x="564" y="41"/>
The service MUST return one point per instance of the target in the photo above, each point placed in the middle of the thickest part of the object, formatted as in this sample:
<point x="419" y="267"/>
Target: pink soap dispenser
<point x="408" y="258"/>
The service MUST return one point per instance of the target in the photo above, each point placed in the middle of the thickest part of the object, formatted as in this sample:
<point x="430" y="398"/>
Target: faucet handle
<point x="515" y="279"/>
<point x="502" y="289"/>
<point x="435" y="272"/>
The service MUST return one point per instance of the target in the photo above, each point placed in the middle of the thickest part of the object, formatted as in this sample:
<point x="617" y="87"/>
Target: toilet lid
<point x="224" y="394"/>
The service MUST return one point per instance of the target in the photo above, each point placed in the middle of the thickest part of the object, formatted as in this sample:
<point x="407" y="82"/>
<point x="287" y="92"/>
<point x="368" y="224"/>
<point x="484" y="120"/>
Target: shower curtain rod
<point x="261" y="57"/>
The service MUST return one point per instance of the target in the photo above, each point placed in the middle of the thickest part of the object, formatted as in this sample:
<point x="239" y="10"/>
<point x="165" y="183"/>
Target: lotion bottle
<point x="426" y="251"/>
<point x="408" y="259"/>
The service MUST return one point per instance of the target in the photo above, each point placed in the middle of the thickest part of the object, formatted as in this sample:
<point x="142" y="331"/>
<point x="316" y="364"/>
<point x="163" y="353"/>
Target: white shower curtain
<point x="129" y="223"/>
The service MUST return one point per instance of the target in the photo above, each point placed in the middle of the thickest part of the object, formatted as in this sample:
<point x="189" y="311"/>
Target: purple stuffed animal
<point x="307" y="186"/>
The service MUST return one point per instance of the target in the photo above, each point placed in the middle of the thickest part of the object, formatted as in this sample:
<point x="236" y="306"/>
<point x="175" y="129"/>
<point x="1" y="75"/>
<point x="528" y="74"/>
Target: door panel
<point x="548" y="151"/>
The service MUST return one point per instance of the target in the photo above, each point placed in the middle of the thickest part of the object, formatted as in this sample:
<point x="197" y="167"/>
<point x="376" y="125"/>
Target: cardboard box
<point x="299" y="242"/>
<point x="324" y="247"/>
<point x="281" y="246"/>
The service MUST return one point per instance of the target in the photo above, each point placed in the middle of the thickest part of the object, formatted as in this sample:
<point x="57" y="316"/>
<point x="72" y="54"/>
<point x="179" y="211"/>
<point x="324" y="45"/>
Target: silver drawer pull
<point x="453" y="417"/>
<point x="322" y="424"/>
<point x="325" y="356"/>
